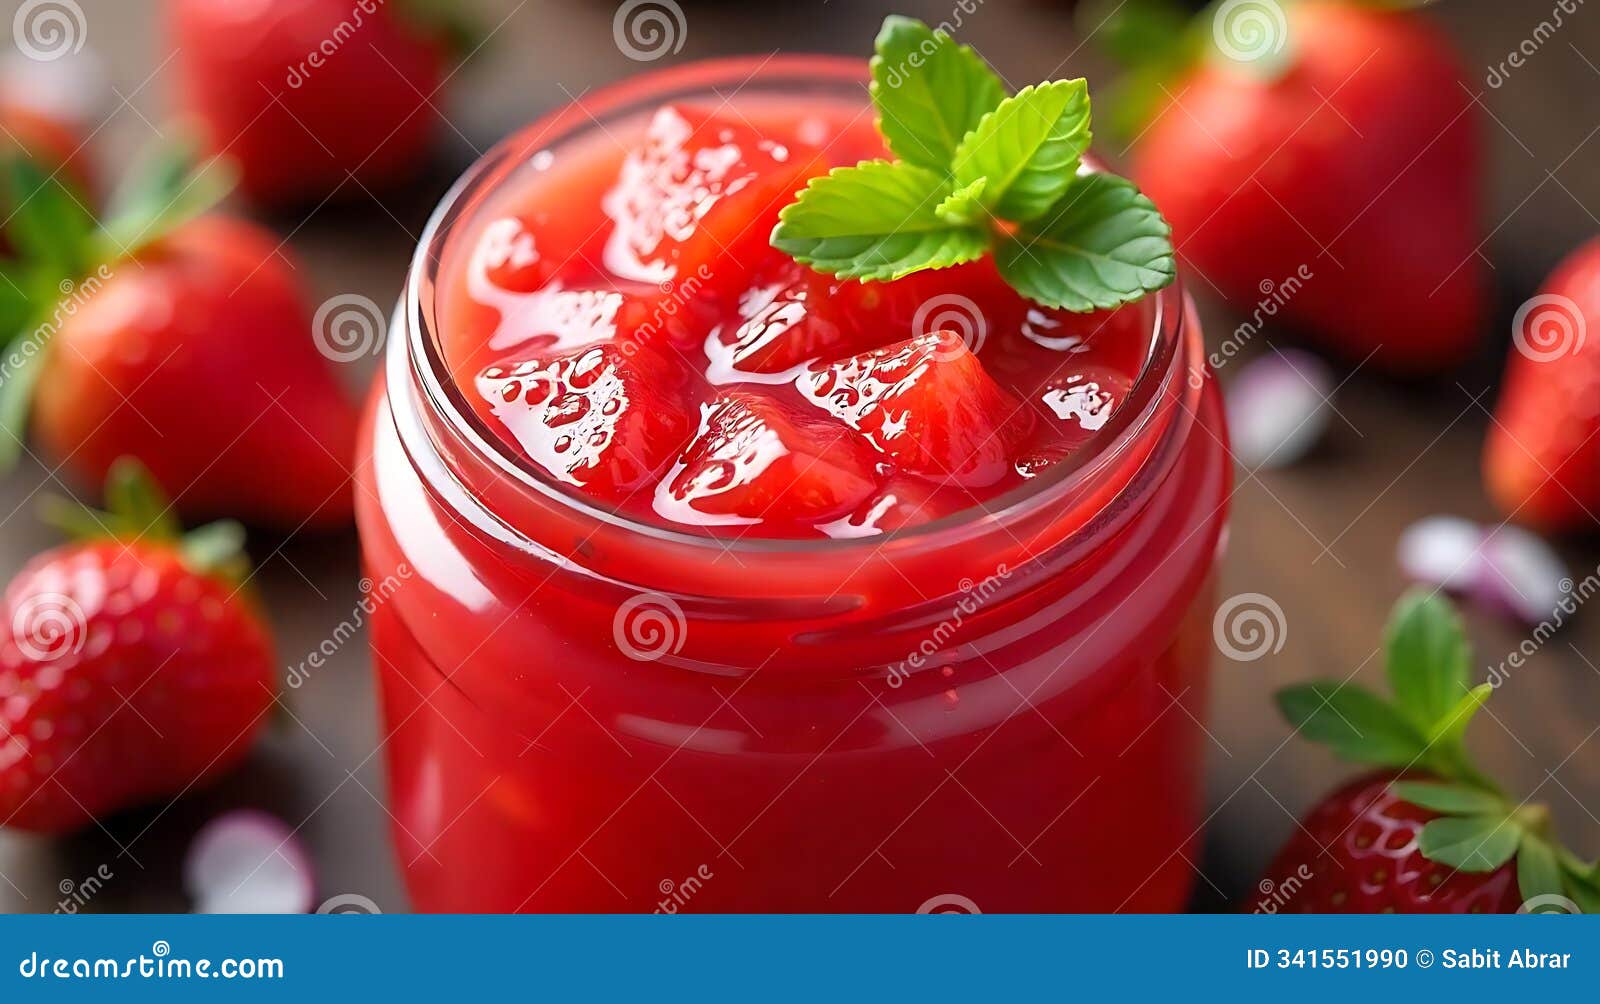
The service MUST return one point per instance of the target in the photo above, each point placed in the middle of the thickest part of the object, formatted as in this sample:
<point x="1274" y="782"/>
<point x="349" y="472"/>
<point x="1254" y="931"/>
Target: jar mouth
<point x="425" y="367"/>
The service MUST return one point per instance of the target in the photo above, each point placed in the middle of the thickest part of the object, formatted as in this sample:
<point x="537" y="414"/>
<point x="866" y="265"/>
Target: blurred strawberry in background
<point x="175" y="337"/>
<point x="1332" y="135"/>
<point x="1542" y="459"/>
<point x="262" y="78"/>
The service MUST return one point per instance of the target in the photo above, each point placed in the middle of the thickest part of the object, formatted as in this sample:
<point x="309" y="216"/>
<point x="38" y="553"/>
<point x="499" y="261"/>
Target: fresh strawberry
<point x="311" y="96"/>
<point x="1428" y="833"/>
<point x="927" y="403"/>
<point x="132" y="668"/>
<point x="600" y="418"/>
<point x="755" y="462"/>
<point x="54" y="145"/>
<point x="1542" y="458"/>
<point x="1343" y="140"/>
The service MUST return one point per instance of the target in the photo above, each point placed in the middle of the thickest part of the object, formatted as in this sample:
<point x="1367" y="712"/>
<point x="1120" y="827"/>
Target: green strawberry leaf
<point x="1427" y="659"/>
<point x="929" y="91"/>
<point x="168" y="188"/>
<point x="16" y="399"/>
<point x="461" y="34"/>
<point x="964" y="206"/>
<point x="1582" y="885"/>
<point x="1356" y="723"/>
<point x="1450" y="799"/>
<point x="136" y="503"/>
<point x="217" y="549"/>
<point x="49" y="227"/>
<point x="1104" y="245"/>
<point x="876" y="220"/>
<point x="1470" y="843"/>
<point x="1028" y="148"/>
<point x="1538" y="871"/>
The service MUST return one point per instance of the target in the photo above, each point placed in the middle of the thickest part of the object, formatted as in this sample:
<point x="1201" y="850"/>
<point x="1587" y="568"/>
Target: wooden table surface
<point x="1318" y="538"/>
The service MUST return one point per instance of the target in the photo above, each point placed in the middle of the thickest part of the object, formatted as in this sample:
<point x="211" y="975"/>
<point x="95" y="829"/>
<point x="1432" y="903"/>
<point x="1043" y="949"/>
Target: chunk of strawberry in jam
<point x="507" y="256"/>
<point x="758" y="462"/>
<point x="1072" y="407"/>
<point x="927" y="403"/>
<point x="698" y="199"/>
<point x="600" y="418"/>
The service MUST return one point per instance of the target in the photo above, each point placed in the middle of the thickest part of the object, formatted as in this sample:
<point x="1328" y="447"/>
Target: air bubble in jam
<point x="634" y="337"/>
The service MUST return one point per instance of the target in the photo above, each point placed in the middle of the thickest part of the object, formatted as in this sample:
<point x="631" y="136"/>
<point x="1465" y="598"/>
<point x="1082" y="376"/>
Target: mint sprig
<point x="1421" y="731"/>
<point x="979" y="172"/>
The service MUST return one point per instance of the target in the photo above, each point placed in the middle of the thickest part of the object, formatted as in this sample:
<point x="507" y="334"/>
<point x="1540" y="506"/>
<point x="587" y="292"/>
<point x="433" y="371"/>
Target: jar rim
<point x="421" y="354"/>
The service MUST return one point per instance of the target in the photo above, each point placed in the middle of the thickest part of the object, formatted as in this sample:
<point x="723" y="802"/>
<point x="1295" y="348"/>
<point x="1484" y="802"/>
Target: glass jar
<point x="999" y="710"/>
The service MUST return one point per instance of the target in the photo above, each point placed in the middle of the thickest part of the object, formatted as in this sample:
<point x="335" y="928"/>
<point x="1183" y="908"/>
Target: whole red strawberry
<point x="184" y="342"/>
<point x="131" y="668"/>
<point x="1428" y="833"/>
<point x="302" y="94"/>
<point x="1542" y="458"/>
<point x="1329" y="136"/>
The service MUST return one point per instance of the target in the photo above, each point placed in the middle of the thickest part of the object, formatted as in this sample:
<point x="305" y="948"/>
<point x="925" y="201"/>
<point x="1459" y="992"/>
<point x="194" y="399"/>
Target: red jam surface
<point x="620" y="320"/>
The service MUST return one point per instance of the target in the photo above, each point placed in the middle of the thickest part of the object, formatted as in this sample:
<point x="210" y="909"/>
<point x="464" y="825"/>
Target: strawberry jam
<point x="712" y="583"/>
<point x="726" y="388"/>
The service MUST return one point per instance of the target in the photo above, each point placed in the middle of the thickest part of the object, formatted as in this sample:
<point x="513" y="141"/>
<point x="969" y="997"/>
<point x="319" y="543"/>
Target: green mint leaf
<point x="49" y="226"/>
<point x="1450" y="799"/>
<point x="877" y="220"/>
<point x="1028" y="148"/>
<point x="1105" y="244"/>
<point x="1428" y="657"/>
<point x="169" y="187"/>
<point x="1356" y="723"/>
<point x="1538" y="870"/>
<point x="929" y="91"/>
<point x="965" y="205"/>
<point x="1470" y="843"/>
